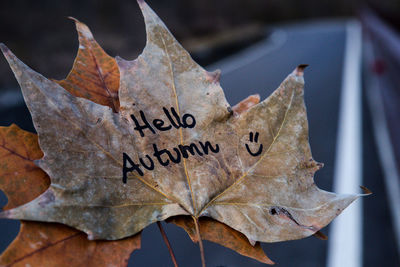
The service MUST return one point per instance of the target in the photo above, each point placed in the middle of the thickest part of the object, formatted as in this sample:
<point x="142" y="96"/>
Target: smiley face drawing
<point x="254" y="138"/>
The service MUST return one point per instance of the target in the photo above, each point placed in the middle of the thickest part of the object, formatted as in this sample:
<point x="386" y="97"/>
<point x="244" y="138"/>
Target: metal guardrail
<point x="378" y="31"/>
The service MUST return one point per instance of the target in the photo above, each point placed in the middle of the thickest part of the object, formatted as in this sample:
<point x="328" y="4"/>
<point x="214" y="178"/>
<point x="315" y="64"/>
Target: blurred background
<point x="256" y="44"/>
<point x="40" y="33"/>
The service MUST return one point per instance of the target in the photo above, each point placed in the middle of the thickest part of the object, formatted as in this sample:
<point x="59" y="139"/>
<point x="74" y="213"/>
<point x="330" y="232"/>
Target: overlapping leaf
<point x="255" y="172"/>
<point x="219" y="233"/>
<point x="20" y="179"/>
<point x="95" y="74"/>
<point x="44" y="244"/>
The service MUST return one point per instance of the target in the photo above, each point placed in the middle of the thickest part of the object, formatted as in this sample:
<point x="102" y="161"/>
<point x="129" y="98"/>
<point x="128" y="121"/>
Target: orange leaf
<point x="245" y="104"/>
<point x="222" y="234"/>
<point x="45" y="244"/>
<point x="20" y="179"/>
<point x="95" y="75"/>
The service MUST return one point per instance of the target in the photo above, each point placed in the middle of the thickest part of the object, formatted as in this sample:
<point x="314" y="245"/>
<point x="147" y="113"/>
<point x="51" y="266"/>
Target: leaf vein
<point x="255" y="164"/>
<point x="178" y="111"/>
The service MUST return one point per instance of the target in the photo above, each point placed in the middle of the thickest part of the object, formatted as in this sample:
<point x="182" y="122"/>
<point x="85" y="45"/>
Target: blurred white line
<point x="345" y="238"/>
<point x="253" y="53"/>
<point x="383" y="143"/>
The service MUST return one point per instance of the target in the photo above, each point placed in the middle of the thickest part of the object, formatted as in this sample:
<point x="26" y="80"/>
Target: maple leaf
<point x="253" y="172"/>
<point x="89" y="82"/>
<point x="92" y="67"/>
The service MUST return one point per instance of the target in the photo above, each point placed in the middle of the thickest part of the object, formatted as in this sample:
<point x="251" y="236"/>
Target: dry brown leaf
<point x="20" y="179"/>
<point x="79" y="76"/>
<point x="253" y="172"/>
<point x="95" y="74"/>
<point x="82" y="74"/>
<point x="44" y="244"/>
<point x="320" y="235"/>
<point x="91" y="57"/>
<point x="222" y="234"/>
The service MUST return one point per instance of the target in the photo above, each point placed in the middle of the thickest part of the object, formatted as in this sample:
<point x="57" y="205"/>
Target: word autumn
<point x="164" y="156"/>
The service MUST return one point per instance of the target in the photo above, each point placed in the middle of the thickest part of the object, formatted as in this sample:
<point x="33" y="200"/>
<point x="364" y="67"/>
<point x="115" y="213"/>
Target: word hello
<point x="188" y="121"/>
<point x="164" y="157"/>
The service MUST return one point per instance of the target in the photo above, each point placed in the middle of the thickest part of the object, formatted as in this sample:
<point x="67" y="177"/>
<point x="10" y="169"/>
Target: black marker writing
<point x="255" y="140"/>
<point x="165" y="157"/>
<point x="126" y="169"/>
<point x="187" y="121"/>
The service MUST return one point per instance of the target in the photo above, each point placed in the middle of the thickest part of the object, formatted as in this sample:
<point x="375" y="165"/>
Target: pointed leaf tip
<point x="4" y="214"/>
<point x="4" y="48"/>
<point x="83" y="29"/>
<point x="320" y="235"/>
<point x="214" y="76"/>
<point x="72" y="18"/>
<point x="319" y="165"/>
<point x="10" y="57"/>
<point x="141" y="3"/>
<point x="299" y="71"/>
<point x="365" y="190"/>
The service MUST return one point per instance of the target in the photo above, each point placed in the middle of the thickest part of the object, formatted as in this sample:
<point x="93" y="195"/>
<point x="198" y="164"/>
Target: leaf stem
<point x="171" y="252"/>
<point x="196" y="223"/>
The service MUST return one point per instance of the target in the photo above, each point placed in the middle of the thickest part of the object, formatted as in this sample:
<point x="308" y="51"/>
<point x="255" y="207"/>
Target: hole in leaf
<point x="273" y="211"/>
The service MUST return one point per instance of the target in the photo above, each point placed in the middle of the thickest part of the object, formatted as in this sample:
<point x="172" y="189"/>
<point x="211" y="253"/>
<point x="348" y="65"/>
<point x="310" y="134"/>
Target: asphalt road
<point x="260" y="69"/>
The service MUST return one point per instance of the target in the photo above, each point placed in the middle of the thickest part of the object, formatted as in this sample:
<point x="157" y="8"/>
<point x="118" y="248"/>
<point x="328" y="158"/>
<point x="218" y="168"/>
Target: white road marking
<point x="277" y="39"/>
<point x="345" y="238"/>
